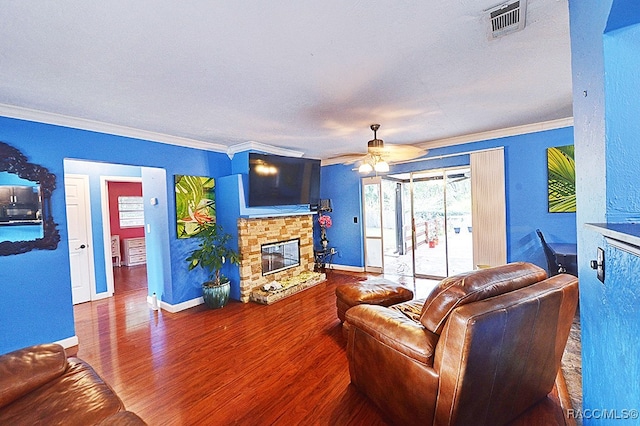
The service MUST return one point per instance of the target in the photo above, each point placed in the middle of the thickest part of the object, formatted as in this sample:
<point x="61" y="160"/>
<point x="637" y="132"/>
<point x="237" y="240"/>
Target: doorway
<point x="156" y="223"/>
<point x="426" y="221"/>
<point x="125" y="209"/>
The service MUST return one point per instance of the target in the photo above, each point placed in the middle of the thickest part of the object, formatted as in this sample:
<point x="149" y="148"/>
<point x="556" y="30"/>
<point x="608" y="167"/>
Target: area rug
<point x="572" y="366"/>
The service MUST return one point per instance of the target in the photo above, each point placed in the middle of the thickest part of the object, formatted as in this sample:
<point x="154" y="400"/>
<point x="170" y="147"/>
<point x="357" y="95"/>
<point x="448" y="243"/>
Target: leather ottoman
<point x="383" y="294"/>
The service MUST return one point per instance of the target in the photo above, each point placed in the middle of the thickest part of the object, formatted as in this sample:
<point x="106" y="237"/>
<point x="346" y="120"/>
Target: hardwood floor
<point x="128" y="278"/>
<point x="243" y="364"/>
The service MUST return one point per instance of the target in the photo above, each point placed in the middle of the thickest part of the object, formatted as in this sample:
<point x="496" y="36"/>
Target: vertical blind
<point x="489" y="217"/>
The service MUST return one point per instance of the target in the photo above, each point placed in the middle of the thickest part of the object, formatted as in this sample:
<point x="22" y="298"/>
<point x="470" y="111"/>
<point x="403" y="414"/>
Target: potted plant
<point x="212" y="253"/>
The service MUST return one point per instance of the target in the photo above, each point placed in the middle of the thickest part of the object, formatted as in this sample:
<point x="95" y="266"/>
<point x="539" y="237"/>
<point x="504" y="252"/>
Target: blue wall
<point x="342" y="185"/>
<point x="35" y="295"/>
<point x="605" y="63"/>
<point x="526" y="196"/>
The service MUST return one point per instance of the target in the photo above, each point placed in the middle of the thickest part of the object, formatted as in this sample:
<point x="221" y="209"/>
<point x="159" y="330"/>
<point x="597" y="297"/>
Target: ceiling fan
<point x="379" y="155"/>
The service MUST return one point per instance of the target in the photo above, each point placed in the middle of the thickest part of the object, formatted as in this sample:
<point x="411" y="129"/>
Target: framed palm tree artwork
<point x="561" y="179"/>
<point x="195" y="204"/>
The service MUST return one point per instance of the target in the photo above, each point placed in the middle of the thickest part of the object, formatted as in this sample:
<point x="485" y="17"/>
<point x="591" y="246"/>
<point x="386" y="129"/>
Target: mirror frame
<point x="13" y="161"/>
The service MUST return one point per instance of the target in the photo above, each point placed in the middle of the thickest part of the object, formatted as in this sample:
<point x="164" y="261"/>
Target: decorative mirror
<point x="25" y="204"/>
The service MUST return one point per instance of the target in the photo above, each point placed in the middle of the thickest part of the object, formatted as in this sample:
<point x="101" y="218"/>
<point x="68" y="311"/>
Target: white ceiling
<point x="302" y="75"/>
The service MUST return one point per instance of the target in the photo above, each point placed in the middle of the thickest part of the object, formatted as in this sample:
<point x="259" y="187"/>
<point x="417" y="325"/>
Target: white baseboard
<point x="176" y="308"/>
<point x="346" y="268"/>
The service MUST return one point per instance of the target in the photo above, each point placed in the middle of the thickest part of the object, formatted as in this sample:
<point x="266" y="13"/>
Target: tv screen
<point x="275" y="180"/>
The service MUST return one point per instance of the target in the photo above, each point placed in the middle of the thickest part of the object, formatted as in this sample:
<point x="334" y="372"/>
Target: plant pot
<point x="216" y="296"/>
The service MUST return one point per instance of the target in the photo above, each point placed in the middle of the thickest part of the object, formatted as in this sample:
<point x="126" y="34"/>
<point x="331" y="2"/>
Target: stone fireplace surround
<point x="254" y="232"/>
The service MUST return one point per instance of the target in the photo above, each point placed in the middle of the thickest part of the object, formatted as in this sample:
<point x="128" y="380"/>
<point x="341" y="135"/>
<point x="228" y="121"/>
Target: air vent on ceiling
<point x="507" y="18"/>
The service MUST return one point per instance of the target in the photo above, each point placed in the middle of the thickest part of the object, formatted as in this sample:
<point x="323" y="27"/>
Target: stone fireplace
<point x="254" y="233"/>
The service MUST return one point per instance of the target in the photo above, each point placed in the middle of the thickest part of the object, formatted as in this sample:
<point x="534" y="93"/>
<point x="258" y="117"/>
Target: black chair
<point x="553" y="265"/>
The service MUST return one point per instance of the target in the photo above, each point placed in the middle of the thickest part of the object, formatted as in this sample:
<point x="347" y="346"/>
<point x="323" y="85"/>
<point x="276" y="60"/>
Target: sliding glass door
<point x="426" y="223"/>
<point x="429" y="214"/>
<point x="373" y="235"/>
<point x="458" y="221"/>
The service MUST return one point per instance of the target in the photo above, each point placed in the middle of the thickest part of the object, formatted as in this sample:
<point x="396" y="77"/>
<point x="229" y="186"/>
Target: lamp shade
<point x="382" y="166"/>
<point x="365" y="168"/>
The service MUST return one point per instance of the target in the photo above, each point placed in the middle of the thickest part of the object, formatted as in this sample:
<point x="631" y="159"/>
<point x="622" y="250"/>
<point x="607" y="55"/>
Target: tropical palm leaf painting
<point x="195" y="204"/>
<point x="562" y="179"/>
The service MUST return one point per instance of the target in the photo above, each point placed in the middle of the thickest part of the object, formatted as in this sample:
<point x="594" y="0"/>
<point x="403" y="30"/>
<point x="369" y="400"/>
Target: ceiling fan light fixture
<point x="381" y="166"/>
<point x="365" y="168"/>
<point x="375" y="144"/>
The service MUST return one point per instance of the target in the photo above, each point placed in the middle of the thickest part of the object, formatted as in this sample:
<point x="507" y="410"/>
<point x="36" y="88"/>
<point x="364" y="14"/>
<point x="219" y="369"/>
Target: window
<point x="130" y="211"/>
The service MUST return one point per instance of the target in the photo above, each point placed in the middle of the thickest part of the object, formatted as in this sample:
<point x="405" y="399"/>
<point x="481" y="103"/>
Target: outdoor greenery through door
<point x="426" y="222"/>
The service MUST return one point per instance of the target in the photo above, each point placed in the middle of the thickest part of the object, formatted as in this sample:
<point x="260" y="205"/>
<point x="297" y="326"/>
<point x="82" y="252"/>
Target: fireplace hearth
<point x="273" y="292"/>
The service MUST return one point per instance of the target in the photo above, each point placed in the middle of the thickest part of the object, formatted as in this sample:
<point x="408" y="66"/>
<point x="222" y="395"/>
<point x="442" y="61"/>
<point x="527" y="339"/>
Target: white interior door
<point x="79" y="228"/>
<point x="373" y="243"/>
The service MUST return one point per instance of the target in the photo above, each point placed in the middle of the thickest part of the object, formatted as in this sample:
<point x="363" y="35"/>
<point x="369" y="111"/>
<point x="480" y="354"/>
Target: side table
<point x="323" y="257"/>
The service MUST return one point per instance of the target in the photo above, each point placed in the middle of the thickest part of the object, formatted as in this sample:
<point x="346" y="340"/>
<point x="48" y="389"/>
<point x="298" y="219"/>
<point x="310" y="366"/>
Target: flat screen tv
<point x="275" y="180"/>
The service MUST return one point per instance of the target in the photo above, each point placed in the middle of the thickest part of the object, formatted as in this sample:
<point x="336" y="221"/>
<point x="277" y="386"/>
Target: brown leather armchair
<point x="40" y="385"/>
<point x="481" y="349"/>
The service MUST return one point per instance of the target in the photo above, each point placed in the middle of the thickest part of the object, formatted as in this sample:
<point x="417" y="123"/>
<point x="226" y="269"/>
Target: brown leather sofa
<point x="482" y="348"/>
<point x="40" y="385"/>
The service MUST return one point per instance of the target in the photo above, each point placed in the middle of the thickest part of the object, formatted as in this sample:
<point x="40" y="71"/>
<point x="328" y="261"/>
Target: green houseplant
<point x="212" y="253"/>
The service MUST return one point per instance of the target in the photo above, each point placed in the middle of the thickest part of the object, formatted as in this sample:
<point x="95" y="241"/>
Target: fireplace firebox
<point x="280" y="256"/>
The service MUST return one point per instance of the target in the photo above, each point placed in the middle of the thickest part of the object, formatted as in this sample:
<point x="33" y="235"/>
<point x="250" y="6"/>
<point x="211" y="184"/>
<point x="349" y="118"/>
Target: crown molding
<point x="262" y="147"/>
<point x="108" y="128"/>
<point x="38" y="116"/>
<point x="499" y="133"/>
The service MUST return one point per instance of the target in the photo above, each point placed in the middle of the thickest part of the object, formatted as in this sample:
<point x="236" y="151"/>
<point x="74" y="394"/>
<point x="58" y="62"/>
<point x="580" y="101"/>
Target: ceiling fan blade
<point x="377" y="151"/>
<point x="396" y="153"/>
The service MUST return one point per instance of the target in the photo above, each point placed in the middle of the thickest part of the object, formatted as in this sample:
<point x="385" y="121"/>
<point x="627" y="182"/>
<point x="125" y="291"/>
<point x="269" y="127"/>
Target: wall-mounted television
<point x="275" y="180"/>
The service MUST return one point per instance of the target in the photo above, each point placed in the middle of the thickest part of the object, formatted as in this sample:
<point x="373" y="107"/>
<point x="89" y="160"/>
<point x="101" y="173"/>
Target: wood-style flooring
<point x="128" y="278"/>
<point x="244" y="364"/>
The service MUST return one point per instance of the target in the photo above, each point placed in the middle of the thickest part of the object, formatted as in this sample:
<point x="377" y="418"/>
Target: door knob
<point x="81" y="247"/>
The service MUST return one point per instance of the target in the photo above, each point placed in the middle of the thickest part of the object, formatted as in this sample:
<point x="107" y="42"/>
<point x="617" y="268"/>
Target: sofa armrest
<point x="395" y="330"/>
<point x="390" y="359"/>
<point x="26" y="369"/>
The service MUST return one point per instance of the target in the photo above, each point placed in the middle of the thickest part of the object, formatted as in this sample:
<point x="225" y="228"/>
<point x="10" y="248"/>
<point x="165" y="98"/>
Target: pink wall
<point x="117" y="189"/>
